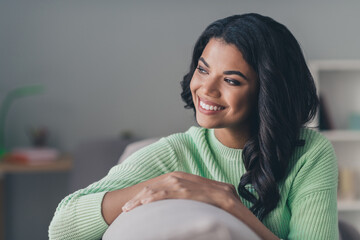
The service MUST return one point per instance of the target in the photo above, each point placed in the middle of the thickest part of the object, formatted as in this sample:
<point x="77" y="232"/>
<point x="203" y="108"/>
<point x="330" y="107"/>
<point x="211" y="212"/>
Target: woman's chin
<point x="206" y="124"/>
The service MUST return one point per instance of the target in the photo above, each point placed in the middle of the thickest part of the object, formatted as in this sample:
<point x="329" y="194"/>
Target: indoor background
<point x="110" y="68"/>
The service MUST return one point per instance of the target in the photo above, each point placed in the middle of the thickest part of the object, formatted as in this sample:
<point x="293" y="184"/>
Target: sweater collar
<point x="222" y="150"/>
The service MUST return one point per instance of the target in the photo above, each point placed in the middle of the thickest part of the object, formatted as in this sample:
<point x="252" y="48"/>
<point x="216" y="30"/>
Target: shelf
<point x="348" y="205"/>
<point x="342" y="135"/>
<point x="335" y="65"/>
<point x="60" y="165"/>
<point x="338" y="81"/>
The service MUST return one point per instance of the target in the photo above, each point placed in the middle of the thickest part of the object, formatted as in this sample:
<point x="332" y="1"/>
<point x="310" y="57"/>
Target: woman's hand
<point x="181" y="185"/>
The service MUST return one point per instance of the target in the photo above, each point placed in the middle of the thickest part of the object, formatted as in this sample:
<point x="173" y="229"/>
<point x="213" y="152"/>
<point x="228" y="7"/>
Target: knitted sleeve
<point x="79" y="216"/>
<point x="313" y="198"/>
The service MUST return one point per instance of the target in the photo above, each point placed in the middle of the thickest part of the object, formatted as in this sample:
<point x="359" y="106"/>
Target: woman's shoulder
<point x="314" y="139"/>
<point x="317" y="150"/>
<point x="314" y="165"/>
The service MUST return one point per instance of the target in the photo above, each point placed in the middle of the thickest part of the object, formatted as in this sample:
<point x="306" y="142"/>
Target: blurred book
<point x="32" y="156"/>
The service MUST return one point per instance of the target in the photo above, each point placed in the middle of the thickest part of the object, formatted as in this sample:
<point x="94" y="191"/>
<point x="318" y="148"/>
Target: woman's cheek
<point x="193" y="87"/>
<point x="192" y="84"/>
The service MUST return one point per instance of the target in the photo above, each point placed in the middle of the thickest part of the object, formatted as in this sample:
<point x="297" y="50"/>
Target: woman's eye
<point x="201" y="70"/>
<point x="232" y="82"/>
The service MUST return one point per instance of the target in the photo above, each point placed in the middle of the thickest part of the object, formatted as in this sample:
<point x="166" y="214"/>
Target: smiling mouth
<point x="208" y="106"/>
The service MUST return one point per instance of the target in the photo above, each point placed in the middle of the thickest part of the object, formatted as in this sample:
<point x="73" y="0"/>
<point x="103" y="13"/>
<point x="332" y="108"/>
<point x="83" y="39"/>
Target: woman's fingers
<point x="171" y="187"/>
<point x="135" y="203"/>
<point x="199" y="179"/>
<point x="131" y="205"/>
<point x="141" y="200"/>
<point x="154" y="192"/>
<point x="184" y="186"/>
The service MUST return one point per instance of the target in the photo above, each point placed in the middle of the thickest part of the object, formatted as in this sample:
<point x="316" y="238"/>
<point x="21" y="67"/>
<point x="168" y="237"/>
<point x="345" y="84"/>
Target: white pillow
<point x="176" y="219"/>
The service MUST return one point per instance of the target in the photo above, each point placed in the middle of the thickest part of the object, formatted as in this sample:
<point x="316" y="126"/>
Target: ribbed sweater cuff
<point x="88" y="212"/>
<point x="82" y="220"/>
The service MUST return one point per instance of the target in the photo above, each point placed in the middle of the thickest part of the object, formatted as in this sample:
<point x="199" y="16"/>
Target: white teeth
<point x="210" y="107"/>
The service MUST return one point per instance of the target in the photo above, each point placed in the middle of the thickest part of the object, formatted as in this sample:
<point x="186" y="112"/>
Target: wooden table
<point x="63" y="164"/>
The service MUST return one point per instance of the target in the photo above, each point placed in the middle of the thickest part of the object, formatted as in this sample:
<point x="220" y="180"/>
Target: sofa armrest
<point x="178" y="219"/>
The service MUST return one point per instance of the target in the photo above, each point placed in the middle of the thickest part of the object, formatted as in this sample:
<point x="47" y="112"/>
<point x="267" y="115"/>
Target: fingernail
<point x="146" y="200"/>
<point x="127" y="207"/>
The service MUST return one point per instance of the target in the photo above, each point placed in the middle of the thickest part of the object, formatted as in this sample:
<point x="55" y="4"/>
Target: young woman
<point x="252" y="94"/>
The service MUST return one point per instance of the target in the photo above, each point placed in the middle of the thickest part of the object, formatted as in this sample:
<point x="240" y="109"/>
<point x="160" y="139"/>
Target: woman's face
<point x="224" y="87"/>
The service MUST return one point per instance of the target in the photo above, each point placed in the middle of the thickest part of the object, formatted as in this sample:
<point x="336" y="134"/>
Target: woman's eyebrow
<point x="203" y="60"/>
<point x="236" y="73"/>
<point x="231" y="72"/>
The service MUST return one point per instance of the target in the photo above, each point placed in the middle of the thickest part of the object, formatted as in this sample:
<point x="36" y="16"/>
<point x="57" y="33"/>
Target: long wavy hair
<point x="286" y="101"/>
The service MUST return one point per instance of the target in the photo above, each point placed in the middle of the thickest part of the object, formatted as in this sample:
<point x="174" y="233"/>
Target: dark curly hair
<point x="286" y="101"/>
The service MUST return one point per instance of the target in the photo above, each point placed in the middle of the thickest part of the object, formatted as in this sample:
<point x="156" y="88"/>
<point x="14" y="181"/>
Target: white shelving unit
<point x="342" y="135"/>
<point x="338" y="82"/>
<point x="344" y="206"/>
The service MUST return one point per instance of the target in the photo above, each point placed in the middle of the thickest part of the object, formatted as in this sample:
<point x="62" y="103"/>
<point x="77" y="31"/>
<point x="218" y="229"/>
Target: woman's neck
<point x="231" y="138"/>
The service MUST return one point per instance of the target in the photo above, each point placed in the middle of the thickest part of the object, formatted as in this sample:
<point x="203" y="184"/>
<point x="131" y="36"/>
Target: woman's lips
<point x="208" y="107"/>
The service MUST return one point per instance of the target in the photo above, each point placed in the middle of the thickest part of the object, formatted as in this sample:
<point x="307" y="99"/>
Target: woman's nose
<point x="210" y="88"/>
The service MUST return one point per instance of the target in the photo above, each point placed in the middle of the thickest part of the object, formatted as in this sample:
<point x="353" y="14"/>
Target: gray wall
<point x="112" y="66"/>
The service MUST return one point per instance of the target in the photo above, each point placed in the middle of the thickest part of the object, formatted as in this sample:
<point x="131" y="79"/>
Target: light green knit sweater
<point x="307" y="208"/>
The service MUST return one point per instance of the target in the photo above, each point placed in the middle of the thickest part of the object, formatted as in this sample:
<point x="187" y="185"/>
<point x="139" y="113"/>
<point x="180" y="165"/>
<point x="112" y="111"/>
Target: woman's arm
<point x="312" y="198"/>
<point x="113" y="201"/>
<point x="80" y="215"/>
<point x="241" y="212"/>
<point x="180" y="185"/>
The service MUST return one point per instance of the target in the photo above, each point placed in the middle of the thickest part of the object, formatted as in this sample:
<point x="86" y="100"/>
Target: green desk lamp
<point x="17" y="93"/>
